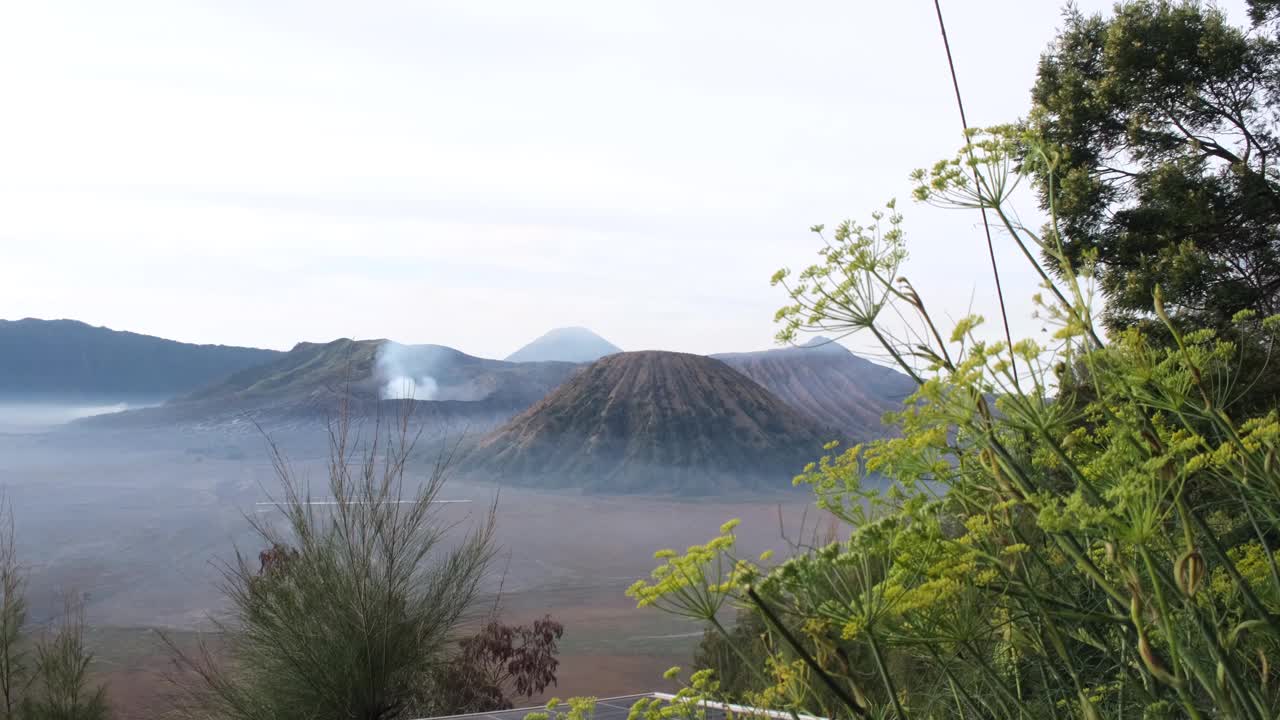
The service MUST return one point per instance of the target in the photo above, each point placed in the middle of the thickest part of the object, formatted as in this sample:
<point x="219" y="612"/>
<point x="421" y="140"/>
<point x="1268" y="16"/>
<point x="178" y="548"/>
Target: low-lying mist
<point x="20" y="415"/>
<point x="139" y="524"/>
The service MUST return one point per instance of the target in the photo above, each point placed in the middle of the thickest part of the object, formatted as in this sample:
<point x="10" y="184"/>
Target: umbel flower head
<point x="695" y="584"/>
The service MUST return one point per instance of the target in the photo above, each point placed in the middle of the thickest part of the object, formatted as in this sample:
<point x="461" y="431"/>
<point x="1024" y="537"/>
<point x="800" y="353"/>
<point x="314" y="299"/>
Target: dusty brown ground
<point x="570" y="556"/>
<point x="609" y="649"/>
<point x="140" y="531"/>
<point x="140" y="688"/>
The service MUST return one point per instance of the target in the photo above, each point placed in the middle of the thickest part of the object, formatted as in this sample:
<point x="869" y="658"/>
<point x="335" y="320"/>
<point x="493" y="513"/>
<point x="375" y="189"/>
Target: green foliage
<point x="14" y="671"/>
<point x="718" y="654"/>
<point x="62" y="690"/>
<point x="1163" y="117"/>
<point x="688" y="703"/>
<point x="1021" y="548"/>
<point x="353" y="610"/>
<point x="691" y="701"/>
<point x="47" y="679"/>
<point x="575" y="708"/>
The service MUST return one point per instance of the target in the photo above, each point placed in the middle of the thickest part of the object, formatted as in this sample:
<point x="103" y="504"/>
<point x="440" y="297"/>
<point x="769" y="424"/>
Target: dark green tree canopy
<point x="1166" y="117"/>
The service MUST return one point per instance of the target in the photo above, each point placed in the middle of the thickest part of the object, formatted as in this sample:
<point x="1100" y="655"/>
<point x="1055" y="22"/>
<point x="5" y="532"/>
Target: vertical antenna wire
<point x="991" y="251"/>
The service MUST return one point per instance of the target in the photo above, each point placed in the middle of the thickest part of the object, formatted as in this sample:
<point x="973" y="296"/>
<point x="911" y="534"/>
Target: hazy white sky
<point x="473" y="173"/>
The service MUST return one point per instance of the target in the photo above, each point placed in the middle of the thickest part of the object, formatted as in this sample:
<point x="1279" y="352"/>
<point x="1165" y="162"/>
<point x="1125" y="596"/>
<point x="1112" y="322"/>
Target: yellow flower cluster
<point x="1253" y="565"/>
<point x="696" y="583"/>
<point x="580" y="708"/>
<point x="688" y="703"/>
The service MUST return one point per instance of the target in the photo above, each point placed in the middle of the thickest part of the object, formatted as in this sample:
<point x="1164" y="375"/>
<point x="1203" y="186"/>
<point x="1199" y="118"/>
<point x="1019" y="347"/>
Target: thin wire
<point x="991" y="250"/>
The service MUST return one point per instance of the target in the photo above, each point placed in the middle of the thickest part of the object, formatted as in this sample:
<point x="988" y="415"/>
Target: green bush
<point x="353" y="610"/>
<point x="1022" y="546"/>
<point x="45" y="678"/>
<point x="61" y="688"/>
<point x="719" y="653"/>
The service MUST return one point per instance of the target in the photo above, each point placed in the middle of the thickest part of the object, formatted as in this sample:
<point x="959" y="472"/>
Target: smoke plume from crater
<point x="401" y="380"/>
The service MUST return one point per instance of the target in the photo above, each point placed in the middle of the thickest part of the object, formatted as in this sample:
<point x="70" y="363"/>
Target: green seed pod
<point x="1189" y="572"/>
<point x="1153" y="662"/>
<point x="1157" y="298"/>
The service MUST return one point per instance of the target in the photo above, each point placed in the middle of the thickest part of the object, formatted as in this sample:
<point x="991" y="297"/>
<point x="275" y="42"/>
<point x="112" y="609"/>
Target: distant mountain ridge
<point x="629" y="422"/>
<point x="309" y="372"/>
<point x="316" y="380"/>
<point x="653" y="422"/>
<point x="69" y="357"/>
<point x="567" y="344"/>
<point x="830" y="384"/>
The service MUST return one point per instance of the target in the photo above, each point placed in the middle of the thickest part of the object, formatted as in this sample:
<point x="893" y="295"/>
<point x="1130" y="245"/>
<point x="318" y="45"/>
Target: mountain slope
<point x="310" y="373"/>
<point x="312" y="380"/>
<point x="571" y="344"/>
<point x="653" y="422"/>
<point x="72" y="358"/>
<point x="828" y="383"/>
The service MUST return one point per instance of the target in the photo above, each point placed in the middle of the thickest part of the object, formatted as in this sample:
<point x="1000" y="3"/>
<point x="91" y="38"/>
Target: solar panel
<point x="618" y="708"/>
<point x="614" y="708"/>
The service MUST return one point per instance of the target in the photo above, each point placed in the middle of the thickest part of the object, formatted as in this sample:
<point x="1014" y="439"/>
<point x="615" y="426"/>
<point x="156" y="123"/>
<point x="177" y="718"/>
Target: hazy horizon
<point x="475" y="174"/>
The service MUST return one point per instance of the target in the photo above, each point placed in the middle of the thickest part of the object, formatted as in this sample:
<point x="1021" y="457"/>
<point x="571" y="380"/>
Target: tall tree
<point x="1165" y="115"/>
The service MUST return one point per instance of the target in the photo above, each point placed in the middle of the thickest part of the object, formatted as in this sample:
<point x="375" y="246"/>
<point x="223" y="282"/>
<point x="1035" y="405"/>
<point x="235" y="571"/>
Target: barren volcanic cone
<point x="653" y="422"/>
<point x="829" y="384"/>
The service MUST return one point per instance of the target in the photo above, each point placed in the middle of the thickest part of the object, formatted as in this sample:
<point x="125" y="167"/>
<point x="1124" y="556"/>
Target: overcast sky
<point x="472" y="173"/>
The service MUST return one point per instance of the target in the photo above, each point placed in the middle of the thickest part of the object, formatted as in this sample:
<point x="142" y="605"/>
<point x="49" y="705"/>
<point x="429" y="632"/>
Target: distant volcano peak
<point x="566" y="344"/>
